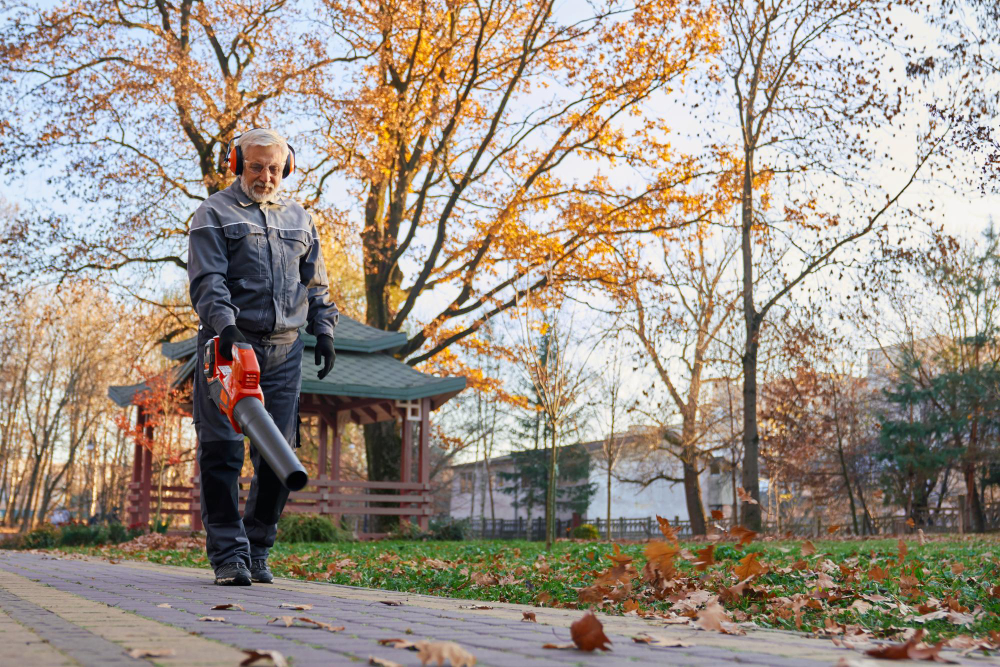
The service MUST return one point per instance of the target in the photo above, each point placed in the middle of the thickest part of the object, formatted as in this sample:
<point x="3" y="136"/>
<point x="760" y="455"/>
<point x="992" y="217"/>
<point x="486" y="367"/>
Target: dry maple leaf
<point x="165" y="605"/>
<point x="749" y="566"/>
<point x="440" y="653"/>
<point x="398" y="643"/>
<point x="320" y="624"/>
<point x="560" y="647"/>
<point x="287" y="620"/>
<point x="744" y="496"/>
<point x="744" y="535"/>
<point x="212" y="619"/>
<point x="660" y="642"/>
<point x="229" y="605"/>
<point x="717" y="515"/>
<point x="833" y="529"/>
<point x="140" y="653"/>
<point x="667" y="530"/>
<point x="484" y="579"/>
<point x="901" y="545"/>
<point x="877" y="574"/>
<point x="912" y="649"/>
<point x="391" y="603"/>
<point x="706" y="558"/>
<point x="662" y="555"/>
<point x="297" y="607"/>
<point x="588" y="634"/>
<point x="257" y="654"/>
<point x="529" y="616"/>
<point x="807" y="548"/>
<point x="712" y="617"/>
<point x="382" y="662"/>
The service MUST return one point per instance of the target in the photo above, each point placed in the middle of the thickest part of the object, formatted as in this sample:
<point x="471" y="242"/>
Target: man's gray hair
<point x="263" y="137"/>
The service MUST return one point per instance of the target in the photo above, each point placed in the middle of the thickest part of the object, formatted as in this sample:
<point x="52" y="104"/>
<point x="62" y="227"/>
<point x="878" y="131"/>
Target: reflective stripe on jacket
<point x="259" y="267"/>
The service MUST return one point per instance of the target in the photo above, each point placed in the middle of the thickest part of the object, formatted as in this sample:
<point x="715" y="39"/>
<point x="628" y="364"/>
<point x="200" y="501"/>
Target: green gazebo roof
<point x="363" y="369"/>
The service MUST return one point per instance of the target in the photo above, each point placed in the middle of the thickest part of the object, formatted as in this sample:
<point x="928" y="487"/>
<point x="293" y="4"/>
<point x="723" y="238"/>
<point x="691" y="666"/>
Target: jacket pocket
<point x="246" y="249"/>
<point x="295" y="244"/>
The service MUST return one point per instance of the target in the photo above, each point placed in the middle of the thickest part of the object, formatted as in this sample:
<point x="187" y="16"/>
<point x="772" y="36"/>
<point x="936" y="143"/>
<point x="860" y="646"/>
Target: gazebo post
<point x="196" y="490"/>
<point x="423" y="460"/>
<point x="405" y="459"/>
<point x="147" y="474"/>
<point x="135" y="488"/>
<point x="335" y="454"/>
<point x="322" y="447"/>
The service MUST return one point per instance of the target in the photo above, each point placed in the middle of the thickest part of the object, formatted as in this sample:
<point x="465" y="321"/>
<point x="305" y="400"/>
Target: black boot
<point x="260" y="573"/>
<point x="232" y="574"/>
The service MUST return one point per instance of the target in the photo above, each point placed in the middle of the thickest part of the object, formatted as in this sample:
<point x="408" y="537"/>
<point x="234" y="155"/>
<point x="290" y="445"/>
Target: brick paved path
<point x="61" y="610"/>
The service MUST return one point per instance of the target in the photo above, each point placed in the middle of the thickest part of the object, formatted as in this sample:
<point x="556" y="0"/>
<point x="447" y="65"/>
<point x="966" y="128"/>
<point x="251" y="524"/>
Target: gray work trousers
<point x="231" y="538"/>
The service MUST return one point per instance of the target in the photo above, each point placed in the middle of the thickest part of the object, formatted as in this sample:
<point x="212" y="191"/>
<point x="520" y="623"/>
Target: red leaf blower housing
<point x="235" y="387"/>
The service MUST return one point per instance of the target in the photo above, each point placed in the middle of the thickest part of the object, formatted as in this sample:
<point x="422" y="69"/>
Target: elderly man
<point x="257" y="276"/>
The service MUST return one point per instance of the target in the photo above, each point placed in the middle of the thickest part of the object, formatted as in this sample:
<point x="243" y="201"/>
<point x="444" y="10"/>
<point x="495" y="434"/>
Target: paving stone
<point x="496" y="637"/>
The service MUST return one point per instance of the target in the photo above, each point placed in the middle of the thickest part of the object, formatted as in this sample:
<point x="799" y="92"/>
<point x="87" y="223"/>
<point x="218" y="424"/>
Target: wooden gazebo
<point x="367" y="385"/>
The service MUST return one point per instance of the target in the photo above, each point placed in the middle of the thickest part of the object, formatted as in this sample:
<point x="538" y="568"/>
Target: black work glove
<point x="324" y="351"/>
<point x="227" y="337"/>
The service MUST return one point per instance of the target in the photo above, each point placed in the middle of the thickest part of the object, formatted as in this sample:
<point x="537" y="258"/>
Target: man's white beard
<point x="265" y="198"/>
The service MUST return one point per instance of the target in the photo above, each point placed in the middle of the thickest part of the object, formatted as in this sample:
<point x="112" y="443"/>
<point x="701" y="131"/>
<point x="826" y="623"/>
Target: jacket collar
<point x="244" y="201"/>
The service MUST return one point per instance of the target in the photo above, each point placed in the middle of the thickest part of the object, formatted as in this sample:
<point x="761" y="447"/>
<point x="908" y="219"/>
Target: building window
<point x="466" y="482"/>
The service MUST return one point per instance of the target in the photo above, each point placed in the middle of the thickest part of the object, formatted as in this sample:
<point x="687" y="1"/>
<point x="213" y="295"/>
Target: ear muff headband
<point x="234" y="155"/>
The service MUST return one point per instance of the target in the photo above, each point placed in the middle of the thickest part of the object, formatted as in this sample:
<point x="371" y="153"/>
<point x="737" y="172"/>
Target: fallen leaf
<point x="668" y="531"/>
<point x="165" y="605"/>
<point x="714" y="617"/>
<point x="660" y="642"/>
<point x="750" y="567"/>
<point x="528" y="616"/>
<point x="297" y="607"/>
<point x="391" y="603"/>
<point x="474" y="606"/>
<point x="440" y="653"/>
<point x="561" y="647"/>
<point x="910" y="522"/>
<point x="484" y="579"/>
<point x="718" y="515"/>
<point x="382" y="662"/>
<point x="744" y="496"/>
<point x="151" y="653"/>
<point x="662" y="555"/>
<point x="901" y="545"/>
<point x="910" y="650"/>
<point x="807" y="548"/>
<point x="398" y="643"/>
<point x="229" y="605"/>
<point x="833" y="529"/>
<point x="257" y="654"/>
<point x="287" y="620"/>
<point x="588" y="633"/>
<point x="877" y="574"/>
<point x="320" y="624"/>
<point x="744" y="535"/>
<point x="706" y="558"/>
<point x="212" y="619"/>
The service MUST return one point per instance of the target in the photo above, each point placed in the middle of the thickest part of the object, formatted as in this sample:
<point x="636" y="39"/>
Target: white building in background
<point x="470" y="495"/>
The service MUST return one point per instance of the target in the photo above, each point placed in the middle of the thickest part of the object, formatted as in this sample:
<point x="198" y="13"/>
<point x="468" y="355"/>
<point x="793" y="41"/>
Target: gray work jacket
<point x="259" y="267"/>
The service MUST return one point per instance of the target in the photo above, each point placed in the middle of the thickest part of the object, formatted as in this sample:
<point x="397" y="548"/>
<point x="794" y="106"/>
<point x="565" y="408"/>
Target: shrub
<point x="586" y="531"/>
<point x="405" y="530"/>
<point x="448" y="529"/>
<point x="118" y="533"/>
<point x="80" y="535"/>
<point x="310" y="528"/>
<point x="45" y="536"/>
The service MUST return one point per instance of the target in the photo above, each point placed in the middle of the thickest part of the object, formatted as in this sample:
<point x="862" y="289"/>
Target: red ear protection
<point x="234" y="155"/>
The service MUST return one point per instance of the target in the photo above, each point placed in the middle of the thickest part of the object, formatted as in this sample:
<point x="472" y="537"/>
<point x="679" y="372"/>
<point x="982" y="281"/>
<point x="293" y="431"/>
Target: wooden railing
<point x="321" y="496"/>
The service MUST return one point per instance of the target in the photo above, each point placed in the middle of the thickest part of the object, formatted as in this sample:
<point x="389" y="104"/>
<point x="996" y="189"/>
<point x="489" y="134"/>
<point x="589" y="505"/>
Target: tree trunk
<point x="751" y="439"/>
<point x="608" y="531"/>
<point x="975" y="507"/>
<point x="751" y="513"/>
<point x="692" y="493"/>
<point x="550" y="496"/>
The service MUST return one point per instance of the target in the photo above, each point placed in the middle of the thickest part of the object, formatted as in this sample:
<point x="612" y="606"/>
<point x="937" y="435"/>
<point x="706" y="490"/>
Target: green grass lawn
<point x="861" y="585"/>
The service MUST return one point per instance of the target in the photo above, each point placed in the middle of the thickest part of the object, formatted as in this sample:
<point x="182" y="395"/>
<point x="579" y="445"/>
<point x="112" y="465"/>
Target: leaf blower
<point x="235" y="387"/>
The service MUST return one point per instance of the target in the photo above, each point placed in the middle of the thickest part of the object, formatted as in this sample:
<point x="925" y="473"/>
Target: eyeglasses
<point x="257" y="167"/>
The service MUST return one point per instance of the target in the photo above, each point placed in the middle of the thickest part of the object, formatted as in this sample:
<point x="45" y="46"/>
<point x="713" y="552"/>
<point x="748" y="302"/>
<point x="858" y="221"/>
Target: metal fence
<point x="931" y="521"/>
